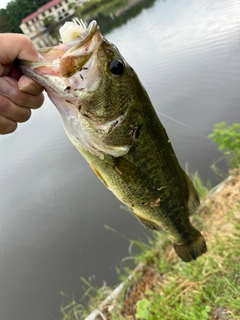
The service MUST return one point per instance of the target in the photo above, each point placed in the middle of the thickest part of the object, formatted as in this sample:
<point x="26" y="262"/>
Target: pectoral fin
<point x="127" y="171"/>
<point x="98" y="174"/>
<point x="150" y="225"/>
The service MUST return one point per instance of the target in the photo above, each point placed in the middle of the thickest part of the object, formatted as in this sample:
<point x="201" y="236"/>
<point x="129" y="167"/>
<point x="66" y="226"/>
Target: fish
<point x="108" y="116"/>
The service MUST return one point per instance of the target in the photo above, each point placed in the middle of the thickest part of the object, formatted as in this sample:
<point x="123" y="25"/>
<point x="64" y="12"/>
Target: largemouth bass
<point x="109" y="118"/>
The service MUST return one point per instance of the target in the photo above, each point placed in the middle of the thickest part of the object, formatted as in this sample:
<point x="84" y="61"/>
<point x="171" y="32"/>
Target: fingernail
<point x="29" y="88"/>
<point x="6" y="88"/>
<point x="27" y="85"/>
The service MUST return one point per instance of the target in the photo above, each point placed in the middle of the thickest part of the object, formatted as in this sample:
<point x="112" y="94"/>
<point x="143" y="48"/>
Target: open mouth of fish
<point x="69" y="66"/>
<point x="68" y="72"/>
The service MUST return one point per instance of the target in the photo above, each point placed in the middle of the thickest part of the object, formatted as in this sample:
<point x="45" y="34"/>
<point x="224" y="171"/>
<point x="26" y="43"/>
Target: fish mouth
<point x="71" y="72"/>
<point x="76" y="49"/>
<point x="71" y="66"/>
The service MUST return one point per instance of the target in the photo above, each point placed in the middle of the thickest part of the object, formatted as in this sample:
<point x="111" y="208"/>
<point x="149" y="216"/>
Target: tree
<point x="5" y="25"/>
<point x="15" y="11"/>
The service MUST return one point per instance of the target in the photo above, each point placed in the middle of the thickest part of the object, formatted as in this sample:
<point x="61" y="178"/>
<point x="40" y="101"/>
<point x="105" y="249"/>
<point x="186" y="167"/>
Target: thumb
<point x="28" y="85"/>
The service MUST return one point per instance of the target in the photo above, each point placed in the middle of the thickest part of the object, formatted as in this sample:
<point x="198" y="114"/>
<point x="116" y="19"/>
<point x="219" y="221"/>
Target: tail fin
<point x="191" y="250"/>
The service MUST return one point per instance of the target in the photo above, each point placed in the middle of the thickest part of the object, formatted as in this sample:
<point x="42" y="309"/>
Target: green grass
<point x="175" y="290"/>
<point x="92" y="8"/>
<point x="188" y="291"/>
<point x="193" y="291"/>
<point x="93" y="295"/>
<point x="197" y="290"/>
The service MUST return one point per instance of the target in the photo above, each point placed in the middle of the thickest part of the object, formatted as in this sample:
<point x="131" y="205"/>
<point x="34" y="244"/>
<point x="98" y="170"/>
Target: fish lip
<point x="86" y="43"/>
<point x="48" y="55"/>
<point x="87" y="34"/>
<point x="58" y="62"/>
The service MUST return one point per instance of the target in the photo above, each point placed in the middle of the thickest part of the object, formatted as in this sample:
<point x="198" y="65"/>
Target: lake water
<point x="53" y="209"/>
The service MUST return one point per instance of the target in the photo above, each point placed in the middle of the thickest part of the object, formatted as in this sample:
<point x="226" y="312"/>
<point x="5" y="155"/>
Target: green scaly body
<point x="148" y="178"/>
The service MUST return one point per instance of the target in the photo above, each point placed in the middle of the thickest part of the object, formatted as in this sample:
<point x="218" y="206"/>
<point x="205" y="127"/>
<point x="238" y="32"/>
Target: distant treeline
<point x="16" y="10"/>
<point x="102" y="10"/>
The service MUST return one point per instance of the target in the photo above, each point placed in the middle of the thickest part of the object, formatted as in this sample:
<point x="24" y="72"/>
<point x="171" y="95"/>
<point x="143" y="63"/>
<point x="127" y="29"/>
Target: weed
<point x="228" y="140"/>
<point x="143" y="309"/>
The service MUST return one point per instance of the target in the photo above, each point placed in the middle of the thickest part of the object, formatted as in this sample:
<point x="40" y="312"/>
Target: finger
<point x="10" y="110"/>
<point x="25" y="84"/>
<point x="9" y="89"/>
<point x="7" y="125"/>
<point x="22" y="48"/>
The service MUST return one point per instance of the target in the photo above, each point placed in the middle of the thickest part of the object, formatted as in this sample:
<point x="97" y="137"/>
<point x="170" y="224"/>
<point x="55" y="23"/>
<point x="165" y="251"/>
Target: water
<point x="53" y="209"/>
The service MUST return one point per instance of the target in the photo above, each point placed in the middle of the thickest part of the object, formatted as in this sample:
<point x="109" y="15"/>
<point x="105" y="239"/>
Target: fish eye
<point x="116" y="67"/>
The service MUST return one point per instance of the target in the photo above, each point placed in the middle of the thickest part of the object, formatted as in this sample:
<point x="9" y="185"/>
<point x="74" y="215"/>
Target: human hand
<point x="18" y="93"/>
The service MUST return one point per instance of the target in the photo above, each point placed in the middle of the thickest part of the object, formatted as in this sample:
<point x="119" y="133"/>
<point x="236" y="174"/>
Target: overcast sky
<point x="3" y="4"/>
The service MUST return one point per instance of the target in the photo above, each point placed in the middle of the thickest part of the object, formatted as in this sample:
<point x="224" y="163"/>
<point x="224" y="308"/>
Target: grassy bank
<point x="163" y="287"/>
<point x="166" y="288"/>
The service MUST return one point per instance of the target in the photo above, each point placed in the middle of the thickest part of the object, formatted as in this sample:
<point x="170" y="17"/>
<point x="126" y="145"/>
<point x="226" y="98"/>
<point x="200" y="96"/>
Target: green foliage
<point x="228" y="140"/>
<point x="71" y="5"/>
<point x="73" y="310"/>
<point x="5" y="25"/>
<point x="93" y="8"/>
<point x="48" y="19"/>
<point x="90" y="5"/>
<point x="193" y="291"/>
<point x="198" y="183"/>
<point x="197" y="290"/>
<point x="143" y="309"/>
<point x="16" y="10"/>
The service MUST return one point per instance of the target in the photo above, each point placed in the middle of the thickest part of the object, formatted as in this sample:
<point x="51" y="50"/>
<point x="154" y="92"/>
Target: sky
<point x="3" y="4"/>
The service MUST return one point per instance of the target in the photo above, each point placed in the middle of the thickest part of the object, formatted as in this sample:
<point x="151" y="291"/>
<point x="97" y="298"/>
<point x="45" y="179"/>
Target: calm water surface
<point x="53" y="209"/>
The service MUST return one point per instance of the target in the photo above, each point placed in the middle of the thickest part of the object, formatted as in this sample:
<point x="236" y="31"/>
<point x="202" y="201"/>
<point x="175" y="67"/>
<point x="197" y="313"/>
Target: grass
<point x="162" y="286"/>
<point x="197" y="290"/>
<point x="165" y="287"/>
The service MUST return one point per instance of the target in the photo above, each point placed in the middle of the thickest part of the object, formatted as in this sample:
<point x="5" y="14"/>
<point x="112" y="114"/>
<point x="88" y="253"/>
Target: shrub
<point x="228" y="140"/>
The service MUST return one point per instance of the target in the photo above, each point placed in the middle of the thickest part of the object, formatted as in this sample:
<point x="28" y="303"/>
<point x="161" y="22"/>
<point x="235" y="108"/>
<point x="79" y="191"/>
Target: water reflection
<point x="119" y="17"/>
<point x="53" y="209"/>
<point x="118" y="13"/>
